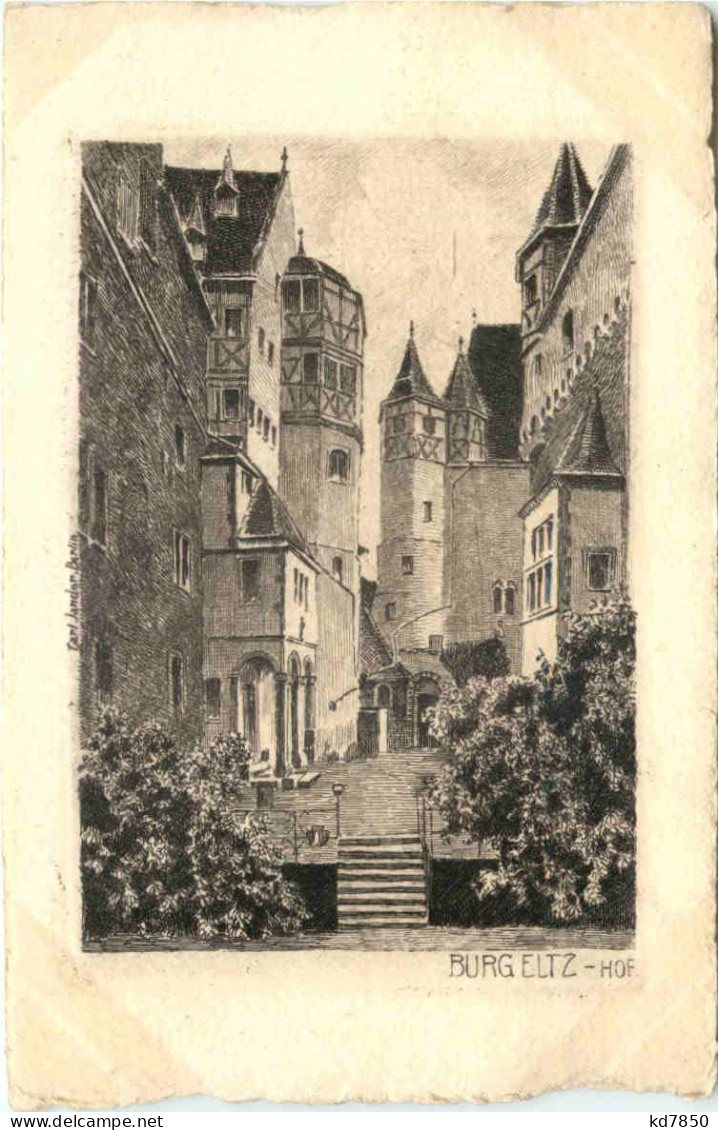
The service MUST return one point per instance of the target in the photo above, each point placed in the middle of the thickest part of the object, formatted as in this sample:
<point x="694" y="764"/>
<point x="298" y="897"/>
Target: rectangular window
<point x="234" y="321"/>
<point x="539" y="587"/>
<point x="436" y="643"/>
<point x="600" y="569"/>
<point x="98" y="531"/>
<point x="230" y="398"/>
<point x="338" y="569"/>
<point x="540" y="540"/>
<point x="260" y="419"/>
<point x="534" y="544"/>
<point x="212" y="697"/>
<point x="251" y="413"/>
<point x="292" y="296"/>
<point x="549" y="533"/>
<point x="306" y="593"/>
<point x="250" y="580"/>
<point x="247" y="482"/>
<point x="532" y="593"/>
<point x="430" y="425"/>
<point x="547" y="579"/>
<point x="296" y="586"/>
<point x="270" y="353"/>
<point x="261" y="341"/>
<point x="390" y="611"/>
<point x="182" y="560"/>
<point x="428" y="512"/>
<point x="347" y="378"/>
<point x="310" y="368"/>
<point x="407" y="566"/>
<point x="176" y="683"/>
<point x="311" y="295"/>
<point x="274" y="436"/>
<point x="330" y="373"/>
<point x="88" y="308"/>
<point x="265" y="429"/>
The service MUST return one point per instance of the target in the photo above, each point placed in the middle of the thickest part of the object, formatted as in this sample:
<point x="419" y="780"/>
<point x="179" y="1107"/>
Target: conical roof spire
<point x="411" y="380"/>
<point x="462" y="390"/>
<point x="226" y="179"/>
<point x="568" y="194"/>
<point x="195" y="220"/>
<point x="588" y="451"/>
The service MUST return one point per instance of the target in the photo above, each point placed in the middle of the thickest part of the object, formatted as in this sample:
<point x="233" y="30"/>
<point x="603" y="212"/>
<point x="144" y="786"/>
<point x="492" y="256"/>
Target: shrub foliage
<point x="470" y="659"/>
<point x="162" y="852"/>
<point x="543" y="769"/>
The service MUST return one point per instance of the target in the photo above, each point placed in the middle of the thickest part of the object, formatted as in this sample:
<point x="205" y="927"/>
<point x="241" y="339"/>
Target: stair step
<point x="397" y="921"/>
<point x="377" y="853"/>
<point x="379" y="887"/>
<point x="361" y="901"/>
<point x="376" y="841"/>
<point x="386" y="867"/>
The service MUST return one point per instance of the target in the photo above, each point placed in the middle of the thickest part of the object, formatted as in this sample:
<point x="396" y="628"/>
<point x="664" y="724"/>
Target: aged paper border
<point x="100" y="1029"/>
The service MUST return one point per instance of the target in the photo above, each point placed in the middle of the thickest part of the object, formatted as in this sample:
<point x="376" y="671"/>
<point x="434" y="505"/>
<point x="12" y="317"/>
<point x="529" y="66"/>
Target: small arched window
<point x="555" y="397"/>
<point x="338" y="569"/>
<point x="567" y="331"/>
<point x="497" y="598"/>
<point x="338" y="465"/>
<point x="538" y="364"/>
<point x="510" y="600"/>
<point x="534" y="425"/>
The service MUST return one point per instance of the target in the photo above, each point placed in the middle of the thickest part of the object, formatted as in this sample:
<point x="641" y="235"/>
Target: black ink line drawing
<point x="278" y="748"/>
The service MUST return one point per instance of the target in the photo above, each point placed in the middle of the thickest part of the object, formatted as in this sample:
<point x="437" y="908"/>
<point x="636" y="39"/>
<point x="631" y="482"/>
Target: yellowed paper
<point x="374" y="102"/>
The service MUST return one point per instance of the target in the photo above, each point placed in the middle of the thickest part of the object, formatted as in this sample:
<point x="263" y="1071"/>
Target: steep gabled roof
<point x="268" y="517"/>
<point x="495" y="359"/>
<point x="568" y="194"/>
<point x="374" y="651"/>
<point x="231" y="241"/>
<point x="411" y="380"/>
<point x="588" y="434"/>
<point x="462" y="390"/>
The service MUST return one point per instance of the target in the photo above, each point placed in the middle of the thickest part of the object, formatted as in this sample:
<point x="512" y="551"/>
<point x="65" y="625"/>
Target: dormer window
<point x="226" y="194"/>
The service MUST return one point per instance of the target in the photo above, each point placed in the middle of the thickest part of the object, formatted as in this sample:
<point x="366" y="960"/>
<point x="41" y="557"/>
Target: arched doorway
<point x="426" y="695"/>
<point x="257" y="707"/>
<point x="309" y="711"/>
<point x="383" y="696"/>
<point x="294" y="672"/>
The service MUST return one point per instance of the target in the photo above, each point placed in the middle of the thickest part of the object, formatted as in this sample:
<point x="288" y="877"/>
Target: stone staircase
<point x="381" y="881"/>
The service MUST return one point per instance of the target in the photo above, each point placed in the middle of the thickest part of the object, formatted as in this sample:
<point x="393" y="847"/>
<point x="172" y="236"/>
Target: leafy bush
<point x="544" y="770"/>
<point x="471" y="659"/>
<point x="161" y="850"/>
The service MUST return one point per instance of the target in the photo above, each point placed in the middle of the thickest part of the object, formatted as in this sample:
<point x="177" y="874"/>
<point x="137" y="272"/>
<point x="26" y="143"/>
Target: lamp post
<point x="337" y="789"/>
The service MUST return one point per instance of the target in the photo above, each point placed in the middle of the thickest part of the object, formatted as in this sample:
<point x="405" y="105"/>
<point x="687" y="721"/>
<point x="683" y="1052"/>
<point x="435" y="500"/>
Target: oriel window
<point x="330" y="373"/>
<point x="234" y="321"/>
<point x="231" y="403"/>
<point x="292" y="292"/>
<point x="311" y="295"/>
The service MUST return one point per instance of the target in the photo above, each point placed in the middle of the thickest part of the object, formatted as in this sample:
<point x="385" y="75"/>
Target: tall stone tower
<point x="410" y="595"/>
<point x="323" y="331"/>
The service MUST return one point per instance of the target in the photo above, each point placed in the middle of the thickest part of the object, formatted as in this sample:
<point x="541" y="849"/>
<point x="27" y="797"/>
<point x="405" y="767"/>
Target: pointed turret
<point x="588" y="451"/>
<point x="411" y="380"/>
<point x="560" y="213"/>
<point x="226" y="193"/>
<point x="466" y="414"/>
<point x="568" y="194"/>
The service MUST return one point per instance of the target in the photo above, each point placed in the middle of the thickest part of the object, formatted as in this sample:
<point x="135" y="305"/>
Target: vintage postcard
<point x="360" y="551"/>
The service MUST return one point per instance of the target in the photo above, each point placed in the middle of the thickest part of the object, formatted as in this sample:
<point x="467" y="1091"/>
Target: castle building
<point x="220" y="473"/>
<point x="144" y="322"/>
<point x="504" y="502"/>
<point x="575" y="276"/>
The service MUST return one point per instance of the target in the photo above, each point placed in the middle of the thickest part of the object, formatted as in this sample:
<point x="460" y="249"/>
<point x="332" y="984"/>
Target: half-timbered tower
<point x="321" y="408"/>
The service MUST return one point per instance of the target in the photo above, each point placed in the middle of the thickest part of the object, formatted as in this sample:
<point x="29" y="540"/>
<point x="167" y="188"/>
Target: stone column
<point x="280" y="694"/>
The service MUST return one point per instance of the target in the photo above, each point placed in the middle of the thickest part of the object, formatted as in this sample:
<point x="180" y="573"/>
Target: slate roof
<point x="268" y="517"/>
<point x="589" y="433"/>
<point x="462" y="390"/>
<point x="494" y="356"/>
<point x="374" y="651"/>
<point x="411" y="379"/>
<point x="568" y="194"/>
<point x="231" y="241"/>
<point x="304" y="265"/>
